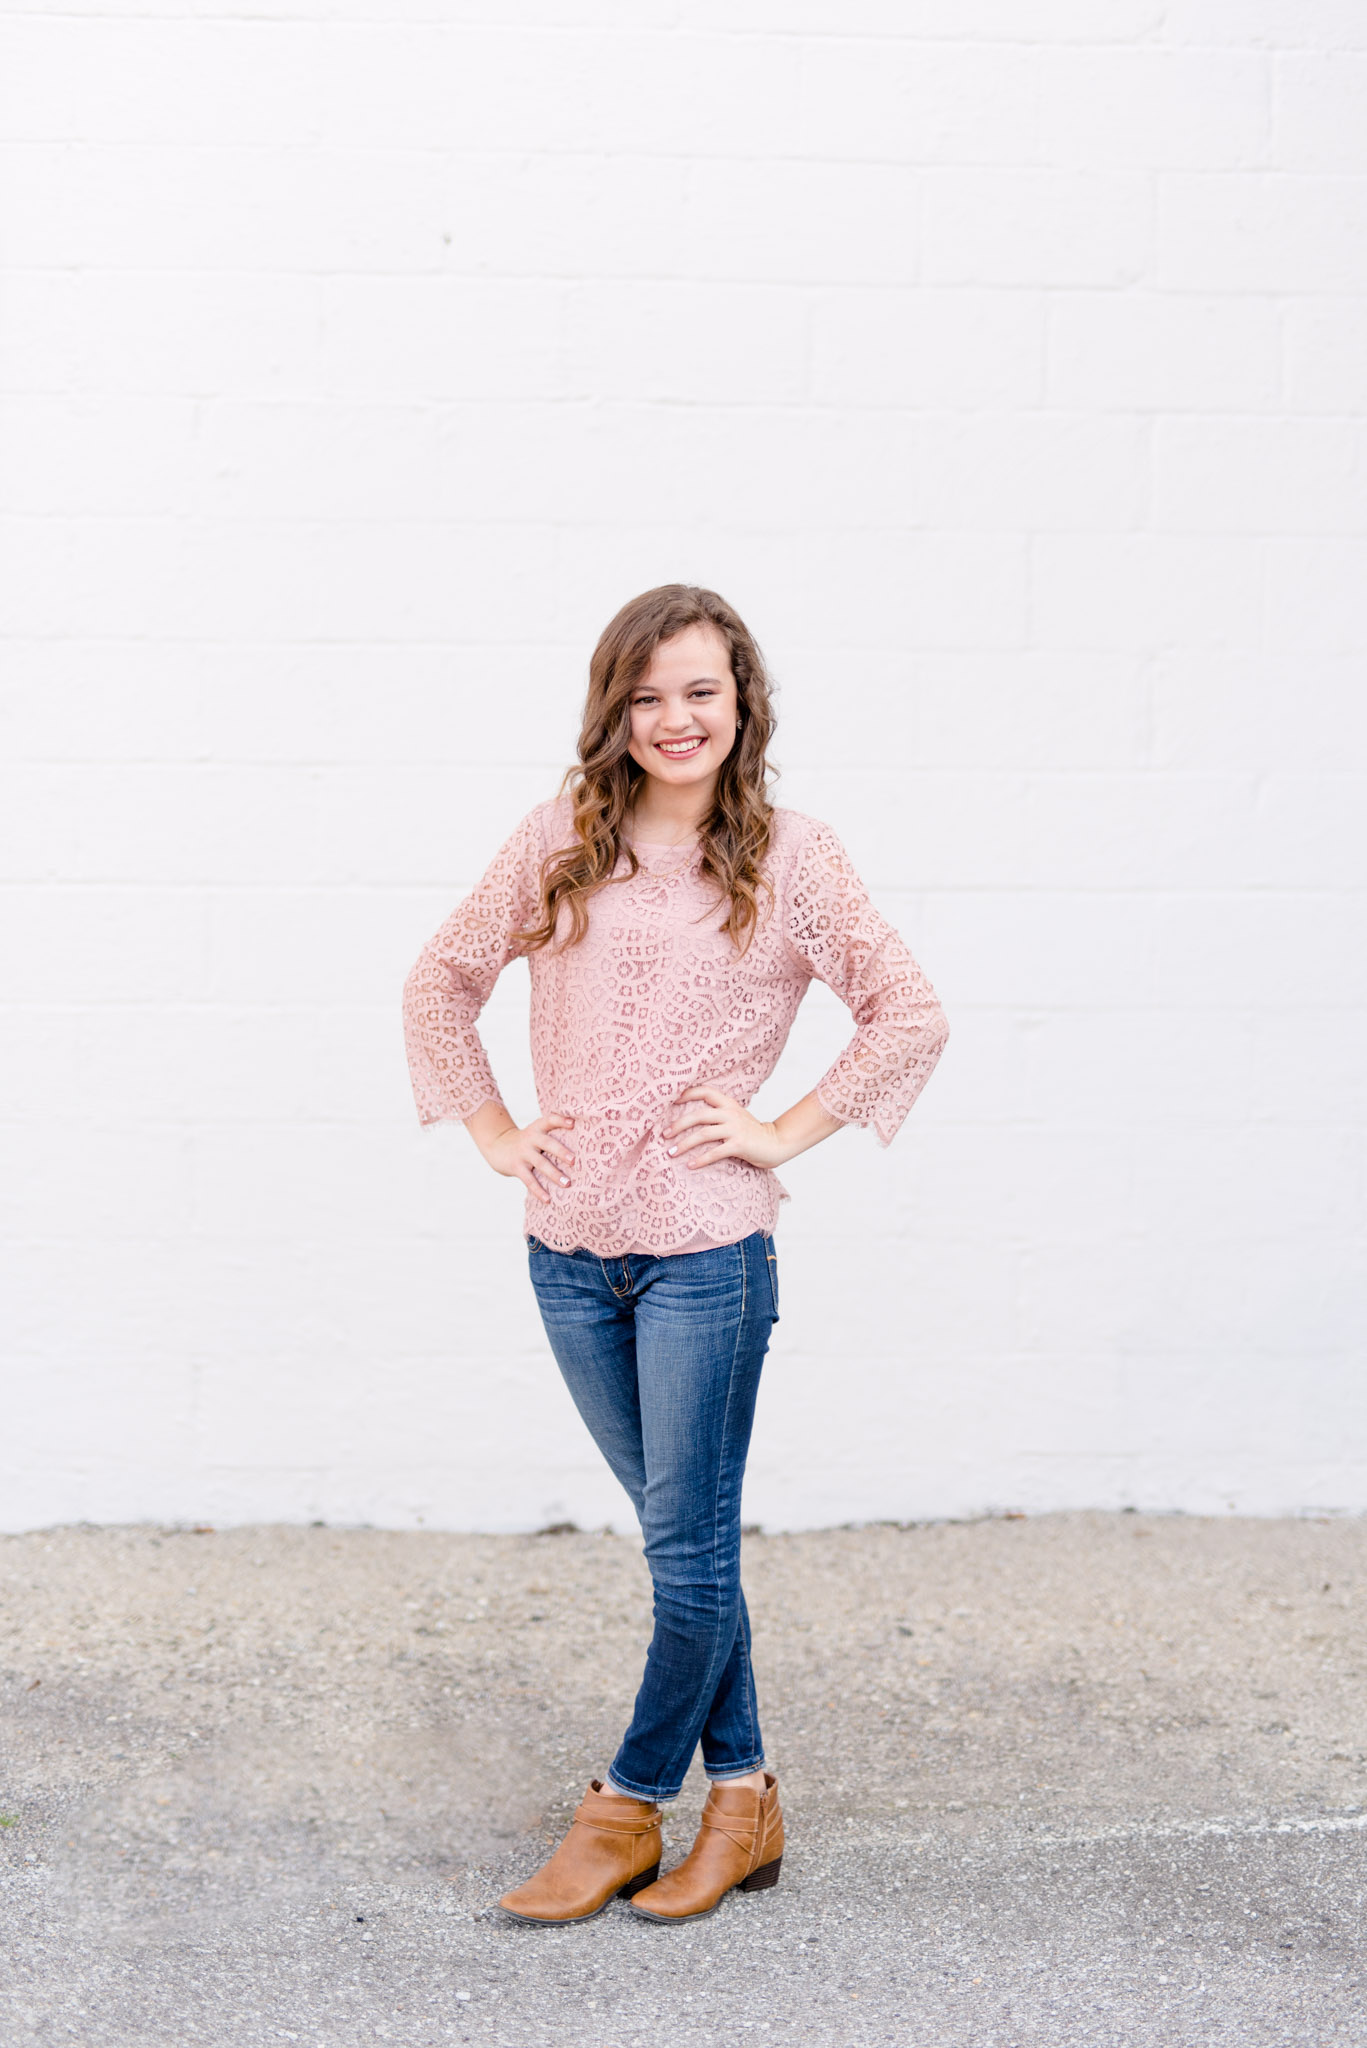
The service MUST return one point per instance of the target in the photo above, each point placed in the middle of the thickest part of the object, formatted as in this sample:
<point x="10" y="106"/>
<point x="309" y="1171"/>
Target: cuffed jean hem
<point x="652" y="1792"/>
<point x="663" y="1794"/>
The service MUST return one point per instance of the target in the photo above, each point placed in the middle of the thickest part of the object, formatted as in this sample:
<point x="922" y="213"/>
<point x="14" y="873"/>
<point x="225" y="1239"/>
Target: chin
<point x="692" y="770"/>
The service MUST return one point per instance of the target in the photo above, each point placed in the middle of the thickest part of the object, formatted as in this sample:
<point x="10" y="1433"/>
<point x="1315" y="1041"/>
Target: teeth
<point x="679" y="746"/>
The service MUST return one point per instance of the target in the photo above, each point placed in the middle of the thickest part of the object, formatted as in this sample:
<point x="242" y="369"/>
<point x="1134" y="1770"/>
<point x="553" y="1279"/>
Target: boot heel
<point x="638" y="1884"/>
<point x="763" y="1879"/>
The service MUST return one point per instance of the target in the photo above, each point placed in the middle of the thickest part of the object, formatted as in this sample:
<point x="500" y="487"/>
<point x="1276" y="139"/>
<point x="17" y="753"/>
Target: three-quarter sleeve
<point x="845" y="942"/>
<point x="453" y="977"/>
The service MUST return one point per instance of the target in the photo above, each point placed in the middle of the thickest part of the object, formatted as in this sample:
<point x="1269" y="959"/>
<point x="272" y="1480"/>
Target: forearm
<point x="709" y="1124"/>
<point x="804" y="1125"/>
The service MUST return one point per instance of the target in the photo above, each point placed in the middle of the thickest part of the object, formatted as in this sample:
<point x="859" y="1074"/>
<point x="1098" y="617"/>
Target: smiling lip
<point x="679" y="750"/>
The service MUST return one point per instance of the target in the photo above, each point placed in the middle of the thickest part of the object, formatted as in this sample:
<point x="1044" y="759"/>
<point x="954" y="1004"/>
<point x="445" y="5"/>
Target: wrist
<point x="783" y="1147"/>
<point x="803" y="1126"/>
<point x="489" y="1125"/>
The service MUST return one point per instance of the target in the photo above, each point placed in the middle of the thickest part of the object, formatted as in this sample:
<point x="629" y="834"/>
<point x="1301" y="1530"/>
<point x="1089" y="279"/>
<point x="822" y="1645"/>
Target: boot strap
<point x="605" y="1824"/>
<point x="744" y="1833"/>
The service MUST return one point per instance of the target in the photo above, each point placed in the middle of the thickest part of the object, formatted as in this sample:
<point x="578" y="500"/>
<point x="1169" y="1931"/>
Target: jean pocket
<point x="771" y="1261"/>
<point x="534" y="1244"/>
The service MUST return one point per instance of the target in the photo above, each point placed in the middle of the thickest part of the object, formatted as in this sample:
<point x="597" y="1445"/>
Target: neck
<point x="669" y="814"/>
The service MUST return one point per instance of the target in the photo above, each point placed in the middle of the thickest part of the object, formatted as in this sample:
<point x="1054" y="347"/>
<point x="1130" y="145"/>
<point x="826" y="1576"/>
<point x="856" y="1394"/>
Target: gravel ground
<point x="1077" y="1779"/>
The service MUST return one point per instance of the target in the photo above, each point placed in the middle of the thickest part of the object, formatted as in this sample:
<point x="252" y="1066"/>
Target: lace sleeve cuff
<point x="453" y="976"/>
<point x="878" y="1077"/>
<point x="850" y="946"/>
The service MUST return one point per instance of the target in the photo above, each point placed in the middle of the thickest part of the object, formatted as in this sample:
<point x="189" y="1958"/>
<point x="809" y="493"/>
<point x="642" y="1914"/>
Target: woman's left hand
<point x="709" y="1125"/>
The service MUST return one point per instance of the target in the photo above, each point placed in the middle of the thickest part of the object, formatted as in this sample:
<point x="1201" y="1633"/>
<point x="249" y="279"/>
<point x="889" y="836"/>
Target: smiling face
<point x="684" y="710"/>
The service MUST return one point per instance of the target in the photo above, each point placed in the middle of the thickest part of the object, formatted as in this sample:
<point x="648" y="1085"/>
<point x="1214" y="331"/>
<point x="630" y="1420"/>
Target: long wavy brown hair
<point x="734" y="836"/>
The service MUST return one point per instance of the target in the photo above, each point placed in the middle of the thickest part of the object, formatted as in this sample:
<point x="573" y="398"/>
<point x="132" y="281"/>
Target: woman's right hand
<point x="530" y="1154"/>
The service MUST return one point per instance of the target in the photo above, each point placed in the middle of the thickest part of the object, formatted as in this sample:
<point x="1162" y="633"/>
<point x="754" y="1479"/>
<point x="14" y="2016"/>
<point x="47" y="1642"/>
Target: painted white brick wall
<point x="1006" y="363"/>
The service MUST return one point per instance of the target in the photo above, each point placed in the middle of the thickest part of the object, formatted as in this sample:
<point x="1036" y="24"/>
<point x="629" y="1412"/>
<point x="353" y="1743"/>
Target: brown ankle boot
<point x="740" y="1843"/>
<point x="611" y="1851"/>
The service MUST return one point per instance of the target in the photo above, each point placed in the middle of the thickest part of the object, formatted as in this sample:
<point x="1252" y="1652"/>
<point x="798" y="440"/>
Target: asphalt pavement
<point x="1092" y="1779"/>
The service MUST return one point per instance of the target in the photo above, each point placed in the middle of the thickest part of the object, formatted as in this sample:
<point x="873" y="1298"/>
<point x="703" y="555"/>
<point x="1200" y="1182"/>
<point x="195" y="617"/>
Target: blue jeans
<point x="662" y="1357"/>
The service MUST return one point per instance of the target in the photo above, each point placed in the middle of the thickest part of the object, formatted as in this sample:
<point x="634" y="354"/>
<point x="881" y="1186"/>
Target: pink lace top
<point x="654" y="999"/>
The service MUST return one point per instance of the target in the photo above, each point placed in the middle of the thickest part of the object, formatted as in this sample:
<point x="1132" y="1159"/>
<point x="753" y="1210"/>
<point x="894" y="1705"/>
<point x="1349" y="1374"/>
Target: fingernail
<point x="672" y="1150"/>
<point x="563" y="1182"/>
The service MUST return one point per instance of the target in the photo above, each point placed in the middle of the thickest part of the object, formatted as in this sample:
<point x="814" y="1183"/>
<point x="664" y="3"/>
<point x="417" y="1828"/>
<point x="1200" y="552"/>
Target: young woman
<point x="672" y="918"/>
